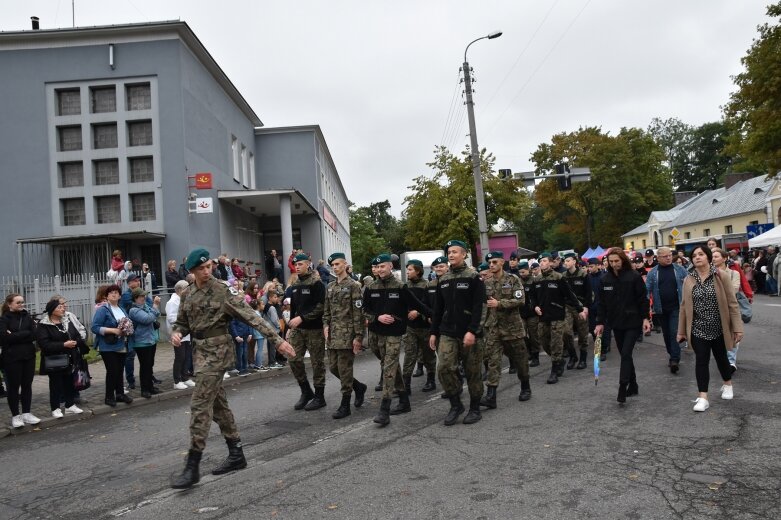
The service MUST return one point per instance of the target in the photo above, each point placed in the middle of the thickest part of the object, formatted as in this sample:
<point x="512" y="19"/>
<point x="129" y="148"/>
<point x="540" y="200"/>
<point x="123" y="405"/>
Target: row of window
<point x="140" y="169"/>
<point x="108" y="209"/>
<point x="103" y="99"/>
<point x="243" y="164"/>
<point x="104" y="135"/>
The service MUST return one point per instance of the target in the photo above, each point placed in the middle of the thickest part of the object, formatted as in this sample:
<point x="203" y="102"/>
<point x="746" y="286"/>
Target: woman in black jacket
<point x="18" y="358"/>
<point x="57" y="334"/>
<point x="623" y="303"/>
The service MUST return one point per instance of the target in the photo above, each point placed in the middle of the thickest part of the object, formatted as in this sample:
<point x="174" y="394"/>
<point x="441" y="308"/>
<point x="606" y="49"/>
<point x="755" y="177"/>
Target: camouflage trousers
<point x="452" y="351"/>
<point x="573" y="321"/>
<point x="551" y="336"/>
<point x="312" y="340"/>
<point x="514" y="347"/>
<point x="371" y="341"/>
<point x="209" y="402"/>
<point x="340" y="363"/>
<point x="532" y="335"/>
<point x="416" y="349"/>
<point x="388" y="348"/>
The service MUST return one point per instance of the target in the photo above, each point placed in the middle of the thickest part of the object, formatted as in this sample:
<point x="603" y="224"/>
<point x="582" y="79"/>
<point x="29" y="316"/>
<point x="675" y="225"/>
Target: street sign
<point x="755" y="230"/>
<point x="204" y="205"/>
<point x="203" y="181"/>
<point x="675" y="233"/>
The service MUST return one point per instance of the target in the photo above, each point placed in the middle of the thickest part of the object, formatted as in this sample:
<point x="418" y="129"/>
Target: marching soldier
<point x="343" y="331"/>
<point x="416" y="338"/>
<point x="530" y="319"/>
<point x="306" y="333"/>
<point x="206" y="309"/>
<point x="504" y="328"/>
<point x="459" y="316"/>
<point x="386" y="305"/>
<point x="577" y="279"/>
<point x="551" y="294"/>
<point x="440" y="267"/>
<point x="373" y="345"/>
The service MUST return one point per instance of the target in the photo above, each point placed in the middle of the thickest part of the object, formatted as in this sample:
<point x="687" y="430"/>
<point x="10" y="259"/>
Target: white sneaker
<point x="701" y="404"/>
<point x="74" y="409"/>
<point x="726" y="392"/>
<point x="190" y="383"/>
<point x="306" y="354"/>
<point x="226" y="376"/>
<point x="16" y="421"/>
<point x="29" y="418"/>
<point x="180" y="386"/>
<point x="234" y="372"/>
<point x="57" y="413"/>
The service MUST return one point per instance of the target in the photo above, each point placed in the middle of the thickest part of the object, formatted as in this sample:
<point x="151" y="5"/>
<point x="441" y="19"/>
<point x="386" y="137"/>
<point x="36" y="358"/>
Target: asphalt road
<point x="570" y="452"/>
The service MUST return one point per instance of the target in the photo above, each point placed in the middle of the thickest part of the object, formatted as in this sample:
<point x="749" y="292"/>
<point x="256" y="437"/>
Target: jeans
<point x="669" y="322"/>
<point x="702" y="349"/>
<point x="146" y="361"/>
<point x="130" y="359"/>
<point x="771" y="285"/>
<point x="732" y="355"/>
<point x="61" y="389"/>
<point x="241" y="354"/>
<point x="260" y="343"/>
<point x="625" y="340"/>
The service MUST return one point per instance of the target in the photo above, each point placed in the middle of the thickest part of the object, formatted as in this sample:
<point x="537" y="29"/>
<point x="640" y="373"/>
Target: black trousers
<point x="115" y="367"/>
<point x="625" y="340"/>
<point x="180" y="360"/>
<point x="19" y="379"/>
<point x="61" y="389"/>
<point x="146" y="361"/>
<point x="702" y="349"/>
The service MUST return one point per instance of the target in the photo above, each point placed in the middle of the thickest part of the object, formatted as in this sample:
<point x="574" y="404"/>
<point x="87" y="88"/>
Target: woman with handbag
<point x="709" y="319"/>
<point x="110" y="325"/>
<point x="18" y="360"/>
<point x="145" y="337"/>
<point x="61" y="348"/>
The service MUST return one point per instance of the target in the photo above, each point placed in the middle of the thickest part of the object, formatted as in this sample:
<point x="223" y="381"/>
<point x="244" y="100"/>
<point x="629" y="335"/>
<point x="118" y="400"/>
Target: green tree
<point x="364" y="240"/>
<point x="709" y="162"/>
<point x="754" y="110"/>
<point x="675" y="138"/>
<point x="391" y="229"/>
<point x="443" y="206"/>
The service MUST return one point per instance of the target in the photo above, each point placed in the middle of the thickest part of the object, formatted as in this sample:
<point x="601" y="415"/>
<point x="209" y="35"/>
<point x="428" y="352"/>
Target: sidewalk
<point x="92" y="398"/>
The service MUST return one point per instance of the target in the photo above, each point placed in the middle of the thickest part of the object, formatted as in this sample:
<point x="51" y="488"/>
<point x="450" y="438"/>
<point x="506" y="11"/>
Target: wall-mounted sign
<point x="203" y="181"/>
<point x="204" y="205"/>
<point x="329" y="217"/>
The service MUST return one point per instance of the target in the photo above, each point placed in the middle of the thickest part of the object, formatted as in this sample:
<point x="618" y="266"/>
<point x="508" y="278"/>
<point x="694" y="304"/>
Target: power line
<point x="450" y="110"/>
<point x="455" y="128"/>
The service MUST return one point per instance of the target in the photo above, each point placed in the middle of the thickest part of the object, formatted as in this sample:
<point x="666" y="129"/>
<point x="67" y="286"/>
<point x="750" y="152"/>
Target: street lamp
<point x="482" y="222"/>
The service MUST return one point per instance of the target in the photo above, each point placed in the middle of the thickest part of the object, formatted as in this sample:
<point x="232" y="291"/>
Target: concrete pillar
<point x="286" y="221"/>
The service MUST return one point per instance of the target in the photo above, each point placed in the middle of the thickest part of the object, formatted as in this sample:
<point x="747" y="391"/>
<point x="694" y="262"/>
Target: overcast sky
<point x="379" y="76"/>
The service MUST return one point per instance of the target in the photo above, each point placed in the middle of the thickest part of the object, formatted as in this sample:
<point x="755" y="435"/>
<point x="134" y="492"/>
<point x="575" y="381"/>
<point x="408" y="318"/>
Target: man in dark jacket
<point x="415" y="340"/>
<point x="530" y="319"/>
<point x="577" y="278"/>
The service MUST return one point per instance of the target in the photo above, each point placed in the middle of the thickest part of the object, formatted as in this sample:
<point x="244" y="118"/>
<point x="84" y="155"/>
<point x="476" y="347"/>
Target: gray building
<point x="104" y="132"/>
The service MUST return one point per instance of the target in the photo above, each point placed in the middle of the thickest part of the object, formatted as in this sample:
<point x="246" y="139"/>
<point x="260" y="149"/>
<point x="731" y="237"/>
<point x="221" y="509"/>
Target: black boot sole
<point x="450" y="421"/>
<point x="235" y="467"/>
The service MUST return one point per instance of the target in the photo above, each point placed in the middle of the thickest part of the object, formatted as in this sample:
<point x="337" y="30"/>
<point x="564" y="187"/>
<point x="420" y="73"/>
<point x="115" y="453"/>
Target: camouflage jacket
<point x="342" y="314"/>
<point x="507" y="289"/>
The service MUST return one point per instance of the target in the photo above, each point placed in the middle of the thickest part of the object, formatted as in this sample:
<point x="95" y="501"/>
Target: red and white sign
<point x="203" y="181"/>
<point x="329" y="217"/>
<point x="204" y="205"/>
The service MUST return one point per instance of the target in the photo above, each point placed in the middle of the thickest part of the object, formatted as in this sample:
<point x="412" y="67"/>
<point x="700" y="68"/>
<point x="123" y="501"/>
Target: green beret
<point x="482" y="267"/>
<point x="382" y="258"/>
<point x="571" y="255"/>
<point x="545" y="254"/>
<point x="439" y="260"/>
<point x="415" y="261"/>
<point x="300" y="257"/>
<point x="523" y="264"/>
<point x="196" y="257"/>
<point x="594" y="261"/>
<point x="451" y="243"/>
<point x="494" y="254"/>
<point x="334" y="256"/>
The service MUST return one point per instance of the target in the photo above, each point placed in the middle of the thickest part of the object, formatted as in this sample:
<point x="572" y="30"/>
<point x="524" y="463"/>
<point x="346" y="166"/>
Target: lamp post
<point x="482" y="221"/>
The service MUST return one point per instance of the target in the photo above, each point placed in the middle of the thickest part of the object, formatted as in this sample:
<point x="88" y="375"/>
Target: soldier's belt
<point x="209" y="333"/>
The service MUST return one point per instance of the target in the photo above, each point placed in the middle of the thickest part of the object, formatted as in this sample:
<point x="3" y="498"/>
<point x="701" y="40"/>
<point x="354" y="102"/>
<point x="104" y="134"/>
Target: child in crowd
<point x="241" y="333"/>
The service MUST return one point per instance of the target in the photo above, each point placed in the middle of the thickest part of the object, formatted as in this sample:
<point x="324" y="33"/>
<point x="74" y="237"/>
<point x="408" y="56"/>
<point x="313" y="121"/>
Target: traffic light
<point x="565" y="181"/>
<point x="505" y="174"/>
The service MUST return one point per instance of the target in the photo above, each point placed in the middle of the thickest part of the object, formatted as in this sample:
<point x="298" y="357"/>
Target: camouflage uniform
<point x="581" y="287"/>
<point x="530" y="318"/>
<point x="415" y="340"/>
<point x="504" y="327"/>
<point x="344" y="319"/>
<point x="205" y="314"/>
<point x="307" y="302"/>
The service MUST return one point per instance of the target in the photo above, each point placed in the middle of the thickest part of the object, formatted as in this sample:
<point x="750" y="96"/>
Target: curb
<point x="103" y="409"/>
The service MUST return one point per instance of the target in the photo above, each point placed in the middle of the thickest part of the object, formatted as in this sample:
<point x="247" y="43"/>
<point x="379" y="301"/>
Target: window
<point x="643" y="243"/>
<point x="141" y="169"/>
<point x="252" y="171"/>
<point x="687" y="235"/>
<point x="107" y="209"/>
<point x="753" y="223"/>
<point x="73" y="212"/>
<point x="104" y="136"/>
<point x="103" y="99"/>
<point x="69" y="138"/>
<point x="139" y="97"/>
<point x="71" y="174"/>
<point x="142" y="206"/>
<point x="106" y="172"/>
<point x="139" y="133"/>
<point x="706" y="231"/>
<point x="68" y="102"/>
<point x="235" y="154"/>
<point x="244" y="166"/>
<point x="728" y="229"/>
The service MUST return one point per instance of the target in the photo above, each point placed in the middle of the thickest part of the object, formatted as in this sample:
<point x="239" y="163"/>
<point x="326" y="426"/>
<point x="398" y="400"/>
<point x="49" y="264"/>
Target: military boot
<point x="489" y="399"/>
<point x="418" y="370"/>
<point x="573" y="359"/>
<point x="513" y="369"/>
<point x="360" y="390"/>
<point x="403" y="405"/>
<point x="526" y="391"/>
<point x="582" y="362"/>
<point x="344" y="408"/>
<point x="456" y="409"/>
<point x="407" y="384"/>
<point x="383" y="416"/>
<point x="474" y="414"/>
<point x="560" y="368"/>
<point x="431" y="383"/>
<point x="553" y="378"/>
<point x="318" y="401"/>
<point x="378" y="387"/>
<point x="306" y="396"/>
<point x="191" y="474"/>
<point x="534" y="360"/>
<point x="235" y="459"/>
